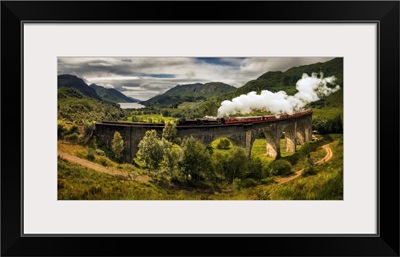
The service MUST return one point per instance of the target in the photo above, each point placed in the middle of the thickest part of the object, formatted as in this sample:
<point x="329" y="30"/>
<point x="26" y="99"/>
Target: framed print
<point x="267" y="124"/>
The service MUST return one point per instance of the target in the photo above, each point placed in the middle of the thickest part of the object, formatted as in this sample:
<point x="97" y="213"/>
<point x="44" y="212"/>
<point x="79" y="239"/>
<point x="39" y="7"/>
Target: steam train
<point x="239" y="120"/>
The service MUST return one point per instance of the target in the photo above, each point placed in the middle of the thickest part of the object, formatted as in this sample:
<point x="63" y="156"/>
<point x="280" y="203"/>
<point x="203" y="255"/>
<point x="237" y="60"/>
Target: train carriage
<point x="239" y="120"/>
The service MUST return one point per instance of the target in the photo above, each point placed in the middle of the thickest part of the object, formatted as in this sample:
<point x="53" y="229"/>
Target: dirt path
<point x="100" y="168"/>
<point x="327" y="157"/>
<point x="286" y="179"/>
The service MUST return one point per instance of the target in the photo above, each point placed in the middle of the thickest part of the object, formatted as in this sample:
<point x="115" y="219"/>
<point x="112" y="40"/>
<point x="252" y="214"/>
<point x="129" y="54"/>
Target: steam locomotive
<point x="239" y="120"/>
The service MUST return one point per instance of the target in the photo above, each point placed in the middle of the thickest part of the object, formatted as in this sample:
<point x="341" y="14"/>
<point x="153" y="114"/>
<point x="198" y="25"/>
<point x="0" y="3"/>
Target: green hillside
<point x="74" y="106"/>
<point x="112" y="95"/>
<point x="190" y="93"/>
<point x="71" y="81"/>
<point x="276" y="80"/>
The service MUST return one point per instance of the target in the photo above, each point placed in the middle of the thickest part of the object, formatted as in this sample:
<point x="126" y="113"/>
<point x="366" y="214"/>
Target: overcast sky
<point x="145" y="77"/>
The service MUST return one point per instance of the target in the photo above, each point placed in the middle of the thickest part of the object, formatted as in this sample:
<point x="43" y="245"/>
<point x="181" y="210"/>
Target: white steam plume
<point x="310" y="89"/>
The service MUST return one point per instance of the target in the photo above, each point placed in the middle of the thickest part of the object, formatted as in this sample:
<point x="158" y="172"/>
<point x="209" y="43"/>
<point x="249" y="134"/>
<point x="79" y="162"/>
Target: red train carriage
<point x="239" y="120"/>
<point x="249" y="119"/>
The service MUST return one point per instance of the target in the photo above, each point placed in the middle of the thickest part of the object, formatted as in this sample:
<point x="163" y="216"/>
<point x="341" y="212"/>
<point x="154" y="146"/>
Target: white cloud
<point x="156" y="75"/>
<point x="108" y="86"/>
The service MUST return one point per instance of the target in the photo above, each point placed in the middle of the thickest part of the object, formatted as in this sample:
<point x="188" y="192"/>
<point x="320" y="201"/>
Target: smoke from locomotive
<point x="310" y="89"/>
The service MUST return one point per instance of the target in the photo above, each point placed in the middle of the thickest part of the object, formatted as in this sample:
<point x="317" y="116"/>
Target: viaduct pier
<point x="296" y="130"/>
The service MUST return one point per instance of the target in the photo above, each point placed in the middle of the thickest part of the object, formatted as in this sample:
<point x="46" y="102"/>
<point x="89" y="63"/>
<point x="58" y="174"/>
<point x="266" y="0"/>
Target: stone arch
<point x="232" y="139"/>
<point x="300" y="134"/>
<point x="272" y="147"/>
<point x="290" y="134"/>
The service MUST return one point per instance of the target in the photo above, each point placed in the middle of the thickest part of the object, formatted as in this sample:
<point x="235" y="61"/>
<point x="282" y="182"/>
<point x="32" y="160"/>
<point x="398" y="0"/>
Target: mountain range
<point x="112" y="95"/>
<point x="272" y="80"/>
<point x="93" y="91"/>
<point x="190" y="93"/>
<point x="71" y="81"/>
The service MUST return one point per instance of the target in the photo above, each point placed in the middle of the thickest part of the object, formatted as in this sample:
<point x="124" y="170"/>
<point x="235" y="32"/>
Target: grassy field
<point x="319" y="153"/>
<point x="190" y="105"/>
<point x="259" y="150"/>
<point x="327" y="112"/>
<point x="77" y="182"/>
<point x="327" y="184"/>
<point x="215" y="143"/>
<point x="151" y="118"/>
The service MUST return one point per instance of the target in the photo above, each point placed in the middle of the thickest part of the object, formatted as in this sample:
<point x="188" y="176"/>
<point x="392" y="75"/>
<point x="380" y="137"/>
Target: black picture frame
<point x="384" y="243"/>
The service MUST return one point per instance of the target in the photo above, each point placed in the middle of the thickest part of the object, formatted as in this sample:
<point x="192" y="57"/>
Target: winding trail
<point x="100" y="168"/>
<point x="328" y="156"/>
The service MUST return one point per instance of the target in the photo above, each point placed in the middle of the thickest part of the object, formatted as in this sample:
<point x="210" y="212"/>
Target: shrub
<point x="254" y="169"/>
<point x="265" y="172"/>
<point x="61" y="130"/>
<point x="232" y="165"/>
<point x="236" y="183"/>
<point x="305" y="149"/>
<point x="178" y="141"/>
<point x="100" y="152"/>
<point x="91" y="154"/>
<point x="92" y="143"/>
<point x="74" y="137"/>
<point x="103" y="161"/>
<point x="223" y="144"/>
<point x="267" y="181"/>
<point x="281" y="167"/>
<point x="88" y="127"/>
<point x="327" y="126"/>
<point x="308" y="171"/>
<point x="73" y="129"/>
<point x="245" y="183"/>
<point x="210" y="149"/>
<point x="248" y="182"/>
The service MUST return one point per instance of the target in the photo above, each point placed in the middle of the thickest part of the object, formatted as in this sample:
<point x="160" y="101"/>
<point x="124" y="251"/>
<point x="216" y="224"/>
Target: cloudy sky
<point x="145" y="77"/>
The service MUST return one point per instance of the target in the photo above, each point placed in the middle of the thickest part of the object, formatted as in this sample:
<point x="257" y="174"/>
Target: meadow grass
<point x="72" y="149"/>
<point x="318" y="154"/>
<point x="327" y="112"/>
<point x="259" y="150"/>
<point x="190" y="105"/>
<point x="76" y="183"/>
<point x="151" y="118"/>
<point x="215" y="143"/>
<point x="82" y="152"/>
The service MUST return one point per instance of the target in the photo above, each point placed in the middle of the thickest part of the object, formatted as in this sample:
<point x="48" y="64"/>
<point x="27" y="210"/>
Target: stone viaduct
<point x="295" y="131"/>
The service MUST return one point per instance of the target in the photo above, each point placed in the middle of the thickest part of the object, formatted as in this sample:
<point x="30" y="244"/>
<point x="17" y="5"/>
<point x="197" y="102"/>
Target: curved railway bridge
<point x="295" y="129"/>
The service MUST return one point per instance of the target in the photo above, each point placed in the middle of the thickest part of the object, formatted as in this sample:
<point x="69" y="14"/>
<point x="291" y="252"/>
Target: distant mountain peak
<point x="112" y="95"/>
<point x="72" y="81"/>
<point x="190" y="93"/>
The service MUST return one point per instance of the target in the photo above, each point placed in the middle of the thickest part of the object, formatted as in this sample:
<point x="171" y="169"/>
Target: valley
<point x="169" y="166"/>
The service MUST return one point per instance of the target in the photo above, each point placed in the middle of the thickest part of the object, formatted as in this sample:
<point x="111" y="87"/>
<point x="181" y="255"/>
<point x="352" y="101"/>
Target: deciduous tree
<point x="117" y="145"/>
<point x="151" y="149"/>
